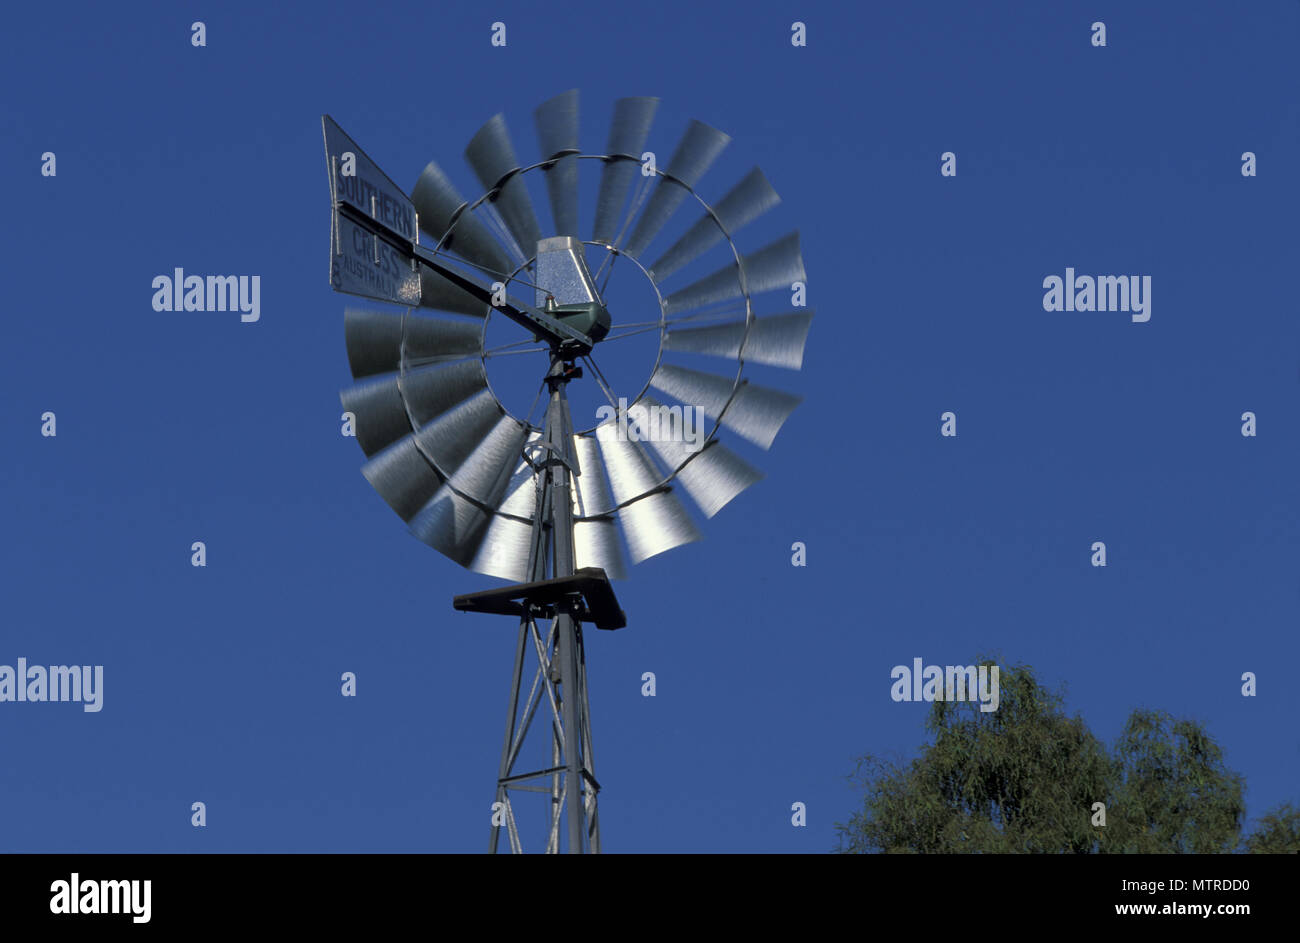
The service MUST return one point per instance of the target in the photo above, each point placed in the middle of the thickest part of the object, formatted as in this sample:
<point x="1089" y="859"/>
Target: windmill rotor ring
<point x="444" y="450"/>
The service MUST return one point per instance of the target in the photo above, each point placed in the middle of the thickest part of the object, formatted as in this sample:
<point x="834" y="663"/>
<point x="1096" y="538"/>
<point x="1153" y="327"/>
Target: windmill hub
<point x="566" y="289"/>
<point x="589" y="317"/>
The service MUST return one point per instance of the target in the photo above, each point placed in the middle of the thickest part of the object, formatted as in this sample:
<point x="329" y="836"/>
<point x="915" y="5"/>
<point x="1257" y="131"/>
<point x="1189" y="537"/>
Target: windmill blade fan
<point x="465" y="472"/>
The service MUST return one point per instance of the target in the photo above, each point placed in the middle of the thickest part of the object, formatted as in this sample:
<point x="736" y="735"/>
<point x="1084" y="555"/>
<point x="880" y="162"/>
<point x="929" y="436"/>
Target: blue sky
<point x="222" y="683"/>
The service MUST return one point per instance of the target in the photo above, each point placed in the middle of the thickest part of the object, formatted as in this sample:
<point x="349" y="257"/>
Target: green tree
<point x="1025" y="778"/>
<point x="1019" y="779"/>
<point x="1172" y="791"/>
<point x="1277" y="833"/>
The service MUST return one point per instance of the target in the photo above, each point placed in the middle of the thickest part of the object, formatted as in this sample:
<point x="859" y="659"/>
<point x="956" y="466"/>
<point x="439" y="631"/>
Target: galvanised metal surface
<point x="561" y="272"/>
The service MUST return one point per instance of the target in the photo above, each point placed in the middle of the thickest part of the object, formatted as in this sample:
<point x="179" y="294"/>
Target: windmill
<point x="542" y="504"/>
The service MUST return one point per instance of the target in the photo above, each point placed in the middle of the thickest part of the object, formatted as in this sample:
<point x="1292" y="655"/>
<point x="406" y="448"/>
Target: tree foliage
<point x="1026" y="778"/>
<point x="1171" y="790"/>
<point x="1278" y="832"/>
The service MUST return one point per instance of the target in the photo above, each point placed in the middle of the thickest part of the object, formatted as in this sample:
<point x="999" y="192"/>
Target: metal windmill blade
<point x="557" y="511"/>
<point x="745" y="202"/>
<point x="712" y="476"/>
<point x="492" y="156"/>
<point x="774" y="266"/>
<point x="695" y="154"/>
<point x="595" y="527"/>
<point x="776" y="340"/>
<point x="754" y="412"/>
<point x="557" y="137"/>
<point x="628" y="130"/>
<point x="442" y="216"/>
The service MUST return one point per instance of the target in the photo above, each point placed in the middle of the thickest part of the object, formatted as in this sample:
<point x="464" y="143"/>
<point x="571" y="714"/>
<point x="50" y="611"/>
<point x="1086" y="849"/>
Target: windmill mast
<point x="561" y="660"/>
<point x="559" y="433"/>
<point x="568" y="292"/>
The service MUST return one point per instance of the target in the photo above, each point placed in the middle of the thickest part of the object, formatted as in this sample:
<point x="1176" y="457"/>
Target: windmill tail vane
<point x="556" y="512"/>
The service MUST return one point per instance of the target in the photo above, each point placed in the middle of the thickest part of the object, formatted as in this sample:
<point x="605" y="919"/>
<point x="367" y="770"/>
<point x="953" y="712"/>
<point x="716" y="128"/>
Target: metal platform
<point x="588" y="589"/>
